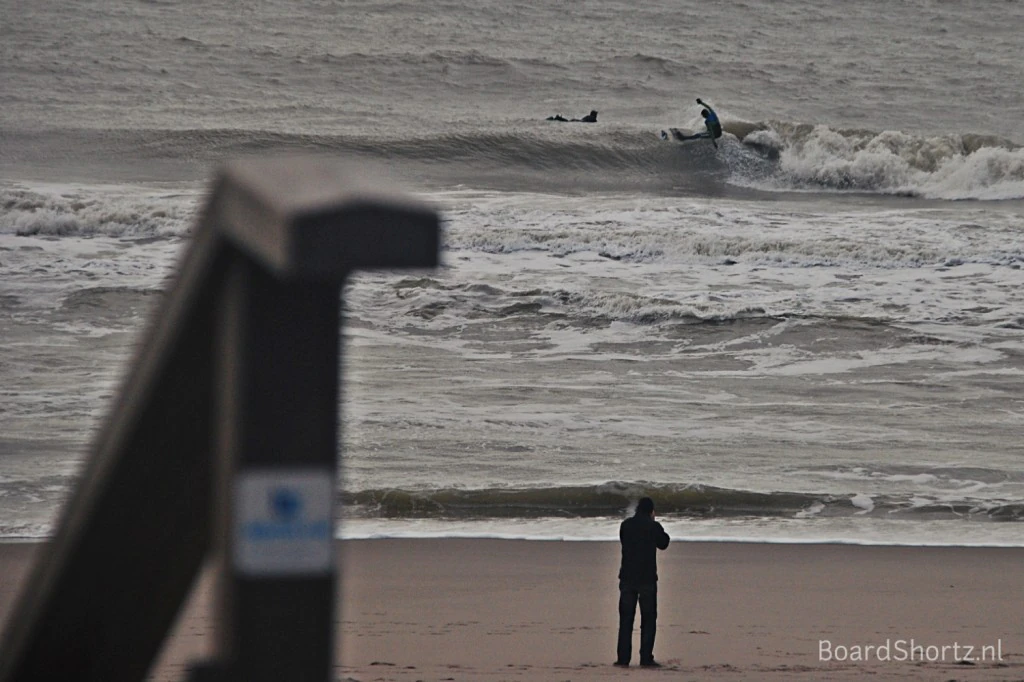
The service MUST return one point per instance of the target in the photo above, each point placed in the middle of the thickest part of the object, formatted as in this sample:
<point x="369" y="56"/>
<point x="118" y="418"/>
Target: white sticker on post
<point x="284" y="524"/>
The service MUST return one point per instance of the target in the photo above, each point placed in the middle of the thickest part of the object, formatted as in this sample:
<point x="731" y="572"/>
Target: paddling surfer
<point x="589" y="118"/>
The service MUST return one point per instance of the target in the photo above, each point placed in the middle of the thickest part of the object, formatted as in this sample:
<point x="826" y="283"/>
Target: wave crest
<point x="617" y="498"/>
<point x="89" y="212"/>
<point x="954" y="167"/>
<point x="555" y="157"/>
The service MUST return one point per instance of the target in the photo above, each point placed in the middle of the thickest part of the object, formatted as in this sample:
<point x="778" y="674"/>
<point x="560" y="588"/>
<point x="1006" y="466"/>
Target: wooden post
<point x="224" y="439"/>
<point x="276" y="483"/>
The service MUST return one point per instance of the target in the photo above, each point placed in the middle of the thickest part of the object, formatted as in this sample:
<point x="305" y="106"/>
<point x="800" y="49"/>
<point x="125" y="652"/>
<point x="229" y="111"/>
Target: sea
<point x="813" y="333"/>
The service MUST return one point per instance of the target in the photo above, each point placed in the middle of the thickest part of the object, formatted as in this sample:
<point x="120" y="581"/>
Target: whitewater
<point x="813" y="333"/>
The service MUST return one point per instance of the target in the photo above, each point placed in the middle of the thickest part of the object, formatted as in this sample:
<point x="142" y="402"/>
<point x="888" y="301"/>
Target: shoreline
<point x="482" y="609"/>
<point x="710" y="540"/>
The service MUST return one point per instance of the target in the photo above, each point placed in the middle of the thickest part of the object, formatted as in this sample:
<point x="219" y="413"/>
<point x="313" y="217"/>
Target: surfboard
<point x="680" y="135"/>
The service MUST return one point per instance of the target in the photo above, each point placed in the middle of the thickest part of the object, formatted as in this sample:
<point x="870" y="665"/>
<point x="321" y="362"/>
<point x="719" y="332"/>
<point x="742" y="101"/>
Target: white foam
<point x="889" y="162"/>
<point x="988" y="173"/>
<point x="862" y="502"/>
<point x="607" y="381"/>
<point x="864" y="531"/>
<point x="51" y="209"/>
<point x="813" y="510"/>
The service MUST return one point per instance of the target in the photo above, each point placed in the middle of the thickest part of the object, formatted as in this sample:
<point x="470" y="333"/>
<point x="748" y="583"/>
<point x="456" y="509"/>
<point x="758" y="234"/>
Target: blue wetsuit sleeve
<point x="711" y="116"/>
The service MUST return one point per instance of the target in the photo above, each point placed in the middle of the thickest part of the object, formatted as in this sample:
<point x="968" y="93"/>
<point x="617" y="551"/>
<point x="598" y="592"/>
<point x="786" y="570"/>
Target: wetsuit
<point x="589" y="118"/>
<point x="711" y="121"/>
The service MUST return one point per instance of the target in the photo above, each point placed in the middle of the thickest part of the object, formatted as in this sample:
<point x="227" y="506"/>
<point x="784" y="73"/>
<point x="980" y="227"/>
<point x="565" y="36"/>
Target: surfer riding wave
<point x="711" y="122"/>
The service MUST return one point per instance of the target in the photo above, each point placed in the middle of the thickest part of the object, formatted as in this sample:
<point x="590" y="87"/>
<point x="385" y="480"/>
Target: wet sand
<point x="477" y="610"/>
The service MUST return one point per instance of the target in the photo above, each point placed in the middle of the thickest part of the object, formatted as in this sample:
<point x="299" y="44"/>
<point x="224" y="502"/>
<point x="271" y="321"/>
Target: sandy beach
<point x="480" y="610"/>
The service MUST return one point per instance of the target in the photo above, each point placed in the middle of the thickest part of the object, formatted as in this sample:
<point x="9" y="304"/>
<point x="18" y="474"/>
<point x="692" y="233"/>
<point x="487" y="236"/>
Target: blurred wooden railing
<point x="222" y="443"/>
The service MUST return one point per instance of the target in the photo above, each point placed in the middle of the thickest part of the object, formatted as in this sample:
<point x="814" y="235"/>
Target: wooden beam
<point x="135" y="531"/>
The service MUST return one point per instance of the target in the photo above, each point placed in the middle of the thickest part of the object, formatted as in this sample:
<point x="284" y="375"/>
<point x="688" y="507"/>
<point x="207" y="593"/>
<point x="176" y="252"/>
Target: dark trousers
<point x="647" y="595"/>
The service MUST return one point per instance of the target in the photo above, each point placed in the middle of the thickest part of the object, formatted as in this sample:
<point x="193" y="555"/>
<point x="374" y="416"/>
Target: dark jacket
<point x="641" y="538"/>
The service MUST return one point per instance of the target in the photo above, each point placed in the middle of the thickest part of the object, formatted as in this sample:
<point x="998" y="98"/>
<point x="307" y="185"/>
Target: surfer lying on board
<point x="589" y="118"/>
<point x="711" y="122"/>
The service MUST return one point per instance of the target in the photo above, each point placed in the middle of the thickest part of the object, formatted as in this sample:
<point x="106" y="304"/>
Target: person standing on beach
<point x="641" y="537"/>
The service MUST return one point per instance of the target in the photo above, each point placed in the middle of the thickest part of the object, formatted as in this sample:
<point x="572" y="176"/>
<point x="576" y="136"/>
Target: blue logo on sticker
<point x="286" y="520"/>
<point x="286" y="504"/>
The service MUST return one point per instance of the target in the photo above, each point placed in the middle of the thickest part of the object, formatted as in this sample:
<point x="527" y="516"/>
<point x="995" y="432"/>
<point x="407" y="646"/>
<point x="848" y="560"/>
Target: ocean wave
<point x="428" y="298"/>
<point x="617" y="498"/>
<point x="443" y="58"/>
<point x="646" y="62"/>
<point x="674" y="243"/>
<point x="767" y="156"/>
<point x="953" y="167"/>
<point x="717" y="236"/>
<point x="770" y="156"/>
<point x="82" y="211"/>
<point x="945" y="477"/>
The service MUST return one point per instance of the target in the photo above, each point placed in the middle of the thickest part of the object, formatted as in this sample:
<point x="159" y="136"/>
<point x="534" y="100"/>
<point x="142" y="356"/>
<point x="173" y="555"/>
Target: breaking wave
<point x="770" y="156"/>
<point x="618" y="498"/>
<point x="954" y="167"/>
<point x="83" y="212"/>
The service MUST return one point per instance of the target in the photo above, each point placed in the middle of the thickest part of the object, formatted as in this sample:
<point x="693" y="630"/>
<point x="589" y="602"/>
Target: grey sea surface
<point x="814" y="332"/>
